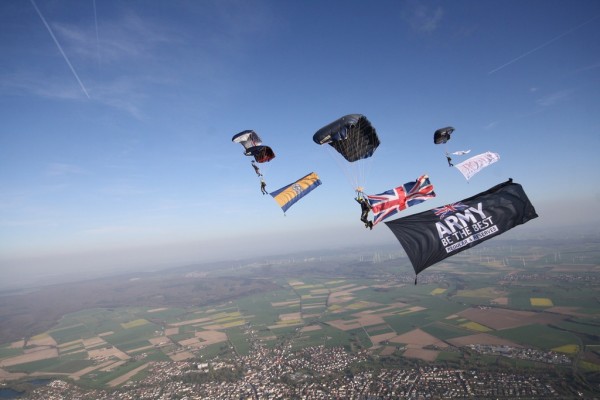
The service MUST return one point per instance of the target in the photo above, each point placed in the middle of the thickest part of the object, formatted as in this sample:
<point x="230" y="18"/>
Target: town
<point x="312" y="373"/>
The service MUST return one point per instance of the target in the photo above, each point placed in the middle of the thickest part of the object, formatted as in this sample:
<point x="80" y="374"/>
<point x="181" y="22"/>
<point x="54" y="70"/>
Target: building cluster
<point x="549" y="357"/>
<point x="586" y="278"/>
<point x="313" y="373"/>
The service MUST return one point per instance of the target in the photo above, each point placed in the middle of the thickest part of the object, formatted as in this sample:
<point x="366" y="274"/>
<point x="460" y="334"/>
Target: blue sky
<point x="117" y="118"/>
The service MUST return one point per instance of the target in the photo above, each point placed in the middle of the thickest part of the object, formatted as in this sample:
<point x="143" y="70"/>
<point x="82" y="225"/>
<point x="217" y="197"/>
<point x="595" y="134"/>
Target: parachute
<point x="352" y="136"/>
<point x="253" y="146"/>
<point x="354" y="139"/>
<point x="442" y="135"/>
<point x="476" y="163"/>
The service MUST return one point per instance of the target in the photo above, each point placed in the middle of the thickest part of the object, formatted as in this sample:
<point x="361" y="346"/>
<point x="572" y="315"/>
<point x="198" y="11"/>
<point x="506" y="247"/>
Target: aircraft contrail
<point x="60" y="48"/>
<point x="543" y="45"/>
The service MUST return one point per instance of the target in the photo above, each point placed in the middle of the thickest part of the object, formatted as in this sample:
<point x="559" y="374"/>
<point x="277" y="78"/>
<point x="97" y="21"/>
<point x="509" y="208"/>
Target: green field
<point x="538" y="336"/>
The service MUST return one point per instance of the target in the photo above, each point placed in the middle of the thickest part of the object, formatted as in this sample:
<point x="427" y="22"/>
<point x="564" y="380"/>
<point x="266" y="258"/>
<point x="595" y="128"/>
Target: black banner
<point x="439" y="233"/>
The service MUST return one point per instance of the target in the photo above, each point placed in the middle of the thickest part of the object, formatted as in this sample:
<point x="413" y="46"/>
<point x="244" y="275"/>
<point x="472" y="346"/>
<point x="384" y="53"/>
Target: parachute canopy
<point x="253" y="146"/>
<point x="352" y="136"/>
<point x="442" y="135"/>
<point x="262" y="153"/>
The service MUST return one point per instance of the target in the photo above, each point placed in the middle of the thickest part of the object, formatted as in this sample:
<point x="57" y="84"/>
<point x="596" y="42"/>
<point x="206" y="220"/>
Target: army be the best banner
<point x="439" y="233"/>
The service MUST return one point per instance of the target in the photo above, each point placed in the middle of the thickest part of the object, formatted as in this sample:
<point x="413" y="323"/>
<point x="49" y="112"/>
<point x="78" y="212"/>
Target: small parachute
<point x="442" y="135"/>
<point x="352" y="136"/>
<point x="253" y="146"/>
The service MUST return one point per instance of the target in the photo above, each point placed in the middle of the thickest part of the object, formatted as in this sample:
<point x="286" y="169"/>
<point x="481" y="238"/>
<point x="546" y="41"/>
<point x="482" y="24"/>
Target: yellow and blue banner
<point x="290" y="194"/>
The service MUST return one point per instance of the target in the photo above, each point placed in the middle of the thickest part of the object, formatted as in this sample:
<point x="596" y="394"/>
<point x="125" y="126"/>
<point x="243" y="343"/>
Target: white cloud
<point x="61" y="169"/>
<point x="422" y="17"/>
<point x="491" y="125"/>
<point x="554" y="98"/>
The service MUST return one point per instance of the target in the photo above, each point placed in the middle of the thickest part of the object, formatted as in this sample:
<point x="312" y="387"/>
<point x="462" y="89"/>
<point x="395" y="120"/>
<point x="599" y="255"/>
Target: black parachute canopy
<point x="352" y="136"/>
<point x="262" y="153"/>
<point x="433" y="235"/>
<point x="442" y="135"/>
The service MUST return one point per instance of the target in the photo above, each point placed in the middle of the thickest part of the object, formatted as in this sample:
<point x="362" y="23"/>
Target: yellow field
<point x="289" y="322"/>
<point x="358" y="305"/>
<point x="438" y="291"/>
<point x="541" y="302"/>
<point x="234" y="323"/>
<point x="481" y="292"/>
<point x="40" y="336"/>
<point x="474" y="326"/>
<point x="567" y="348"/>
<point x="224" y="317"/>
<point x="134" y="323"/>
<point x="308" y="287"/>
<point x="589" y="366"/>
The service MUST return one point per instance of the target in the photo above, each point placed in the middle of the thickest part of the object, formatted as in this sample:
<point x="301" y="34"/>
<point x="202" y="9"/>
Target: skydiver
<point x="263" y="186"/>
<point x="256" y="169"/>
<point x="365" y="207"/>
<point x="449" y="160"/>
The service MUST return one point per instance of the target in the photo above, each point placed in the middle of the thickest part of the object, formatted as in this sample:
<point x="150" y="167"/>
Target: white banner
<point x="476" y="163"/>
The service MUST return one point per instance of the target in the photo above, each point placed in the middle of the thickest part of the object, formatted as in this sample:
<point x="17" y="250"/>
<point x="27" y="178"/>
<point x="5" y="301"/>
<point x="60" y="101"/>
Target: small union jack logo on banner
<point x="442" y="212"/>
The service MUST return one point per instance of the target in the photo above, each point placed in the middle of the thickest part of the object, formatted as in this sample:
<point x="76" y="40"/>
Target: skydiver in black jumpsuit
<point x="263" y="186"/>
<point x="365" y="207"/>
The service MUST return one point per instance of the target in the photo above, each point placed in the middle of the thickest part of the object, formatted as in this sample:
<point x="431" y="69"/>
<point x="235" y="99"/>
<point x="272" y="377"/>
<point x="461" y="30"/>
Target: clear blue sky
<point x="117" y="118"/>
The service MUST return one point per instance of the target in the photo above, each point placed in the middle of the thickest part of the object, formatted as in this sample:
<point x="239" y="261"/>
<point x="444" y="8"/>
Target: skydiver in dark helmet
<point x="365" y="207"/>
<point x="449" y="160"/>
<point x="263" y="186"/>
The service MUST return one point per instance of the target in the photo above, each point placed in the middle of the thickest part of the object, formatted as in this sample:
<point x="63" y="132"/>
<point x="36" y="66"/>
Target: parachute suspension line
<point x="358" y="169"/>
<point x="342" y="165"/>
<point x="364" y="165"/>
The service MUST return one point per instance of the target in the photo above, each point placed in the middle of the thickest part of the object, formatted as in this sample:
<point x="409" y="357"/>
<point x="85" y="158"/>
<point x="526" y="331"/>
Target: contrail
<point x="59" y="48"/>
<point x="543" y="45"/>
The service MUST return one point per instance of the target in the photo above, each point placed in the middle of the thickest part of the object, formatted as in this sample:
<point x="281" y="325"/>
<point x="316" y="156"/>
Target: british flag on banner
<point x="443" y="211"/>
<point x="388" y="203"/>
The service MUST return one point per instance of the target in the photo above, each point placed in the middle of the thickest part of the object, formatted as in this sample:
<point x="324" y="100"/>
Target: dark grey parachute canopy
<point x="442" y="135"/>
<point x="352" y="136"/>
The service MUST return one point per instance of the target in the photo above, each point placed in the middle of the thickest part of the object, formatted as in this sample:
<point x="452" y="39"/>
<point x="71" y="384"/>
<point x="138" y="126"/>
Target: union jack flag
<point x="390" y="202"/>
<point x="449" y="208"/>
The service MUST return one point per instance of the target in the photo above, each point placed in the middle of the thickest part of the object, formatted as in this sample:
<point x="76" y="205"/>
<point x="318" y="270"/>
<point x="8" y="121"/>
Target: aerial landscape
<point x="516" y="319"/>
<point x="263" y="199"/>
